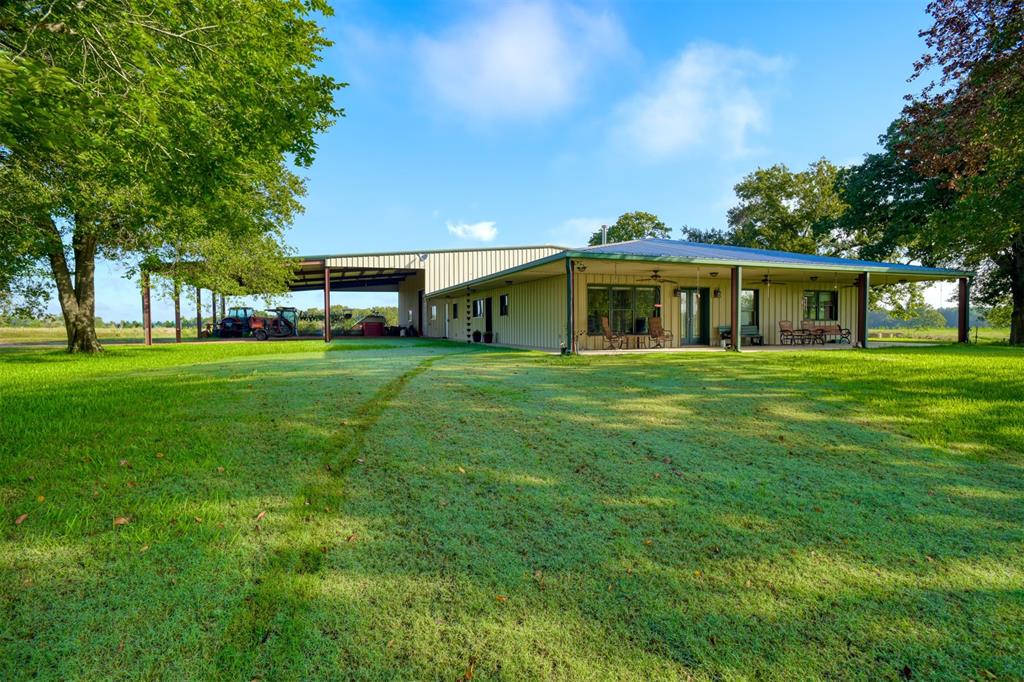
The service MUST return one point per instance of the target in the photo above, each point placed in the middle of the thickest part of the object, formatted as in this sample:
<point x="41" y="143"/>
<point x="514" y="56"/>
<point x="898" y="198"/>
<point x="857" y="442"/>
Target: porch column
<point x="147" y="318"/>
<point x="963" y="319"/>
<point x="863" y="287"/>
<point x="735" y="292"/>
<point x="177" y="312"/>
<point x="199" y="313"/>
<point x="570" y="338"/>
<point x="327" y="304"/>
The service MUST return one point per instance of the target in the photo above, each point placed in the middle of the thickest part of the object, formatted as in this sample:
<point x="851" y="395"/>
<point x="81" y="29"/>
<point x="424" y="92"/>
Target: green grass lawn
<point x="425" y="510"/>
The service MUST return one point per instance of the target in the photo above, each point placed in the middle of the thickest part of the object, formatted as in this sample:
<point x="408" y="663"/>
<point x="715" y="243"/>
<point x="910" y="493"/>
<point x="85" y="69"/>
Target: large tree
<point x="634" y="225"/>
<point x="967" y="127"/>
<point x="128" y="125"/>
<point x="790" y="211"/>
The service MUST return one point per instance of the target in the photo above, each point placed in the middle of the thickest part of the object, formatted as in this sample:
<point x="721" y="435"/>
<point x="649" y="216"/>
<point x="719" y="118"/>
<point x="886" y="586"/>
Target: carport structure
<point x="413" y="275"/>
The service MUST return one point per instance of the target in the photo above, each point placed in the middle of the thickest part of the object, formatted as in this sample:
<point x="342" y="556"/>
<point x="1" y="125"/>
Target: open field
<point x="106" y="334"/>
<point x="942" y="334"/>
<point x="429" y="510"/>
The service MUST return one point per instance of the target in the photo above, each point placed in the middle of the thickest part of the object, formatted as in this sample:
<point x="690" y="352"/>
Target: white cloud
<point x="710" y="94"/>
<point x="519" y="60"/>
<point x="577" y="231"/>
<point x="484" y="231"/>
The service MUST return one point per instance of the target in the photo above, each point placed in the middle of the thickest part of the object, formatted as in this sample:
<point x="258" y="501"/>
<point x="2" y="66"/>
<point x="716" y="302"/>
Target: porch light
<point x="717" y="293"/>
<point x="814" y="278"/>
<point x="713" y="274"/>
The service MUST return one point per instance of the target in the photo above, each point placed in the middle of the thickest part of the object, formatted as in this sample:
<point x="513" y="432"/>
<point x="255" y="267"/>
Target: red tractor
<point x="243" y="321"/>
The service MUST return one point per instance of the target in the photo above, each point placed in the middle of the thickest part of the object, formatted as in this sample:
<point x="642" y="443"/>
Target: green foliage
<point x="788" y="211"/>
<point x="634" y="225"/>
<point x="141" y="126"/>
<point x="665" y="516"/>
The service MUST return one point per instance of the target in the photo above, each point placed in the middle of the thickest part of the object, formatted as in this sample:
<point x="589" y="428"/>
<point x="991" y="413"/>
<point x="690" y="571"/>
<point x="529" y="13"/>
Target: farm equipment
<point x="284" y="323"/>
<point x="243" y="321"/>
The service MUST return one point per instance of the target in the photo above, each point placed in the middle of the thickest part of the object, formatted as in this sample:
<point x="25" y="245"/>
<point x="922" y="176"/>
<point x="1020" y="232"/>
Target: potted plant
<point x="476" y="336"/>
<point x="488" y="337"/>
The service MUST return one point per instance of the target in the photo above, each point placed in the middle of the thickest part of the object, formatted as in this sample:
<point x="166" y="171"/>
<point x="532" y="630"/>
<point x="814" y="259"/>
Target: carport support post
<point x="963" y="319"/>
<point x="735" y="294"/>
<point x="199" y="313"/>
<point x="213" y="309"/>
<point x="147" y="318"/>
<point x="177" y="312"/>
<point x="223" y="306"/>
<point x="327" y="304"/>
<point x="863" y="289"/>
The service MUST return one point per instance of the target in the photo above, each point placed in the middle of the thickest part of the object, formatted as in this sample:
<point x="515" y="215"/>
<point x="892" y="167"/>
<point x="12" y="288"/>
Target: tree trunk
<point x="77" y="296"/>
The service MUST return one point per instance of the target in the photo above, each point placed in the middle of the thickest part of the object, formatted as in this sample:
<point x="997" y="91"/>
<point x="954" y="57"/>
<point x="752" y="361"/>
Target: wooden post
<point x="327" y="304"/>
<point x="147" y="318"/>
<point x="199" y="313"/>
<point x="735" y="295"/>
<point x="863" y="287"/>
<point x="964" y="311"/>
<point x="177" y="312"/>
<point x="223" y="306"/>
<point x="213" y="312"/>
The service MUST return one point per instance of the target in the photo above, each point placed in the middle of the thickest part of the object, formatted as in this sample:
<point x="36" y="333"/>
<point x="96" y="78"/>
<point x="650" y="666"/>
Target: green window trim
<point x="821" y="305"/>
<point x="627" y="307"/>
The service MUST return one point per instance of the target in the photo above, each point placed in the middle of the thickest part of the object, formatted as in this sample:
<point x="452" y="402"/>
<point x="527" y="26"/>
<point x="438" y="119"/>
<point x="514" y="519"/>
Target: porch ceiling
<point x="310" y="277"/>
<point x="751" y="275"/>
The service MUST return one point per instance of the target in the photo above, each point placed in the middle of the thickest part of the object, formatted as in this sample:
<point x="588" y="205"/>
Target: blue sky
<point x="483" y="123"/>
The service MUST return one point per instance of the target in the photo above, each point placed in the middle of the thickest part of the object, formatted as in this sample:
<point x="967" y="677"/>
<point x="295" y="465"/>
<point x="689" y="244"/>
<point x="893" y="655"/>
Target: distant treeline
<point x="338" y="319"/>
<point x="925" y="316"/>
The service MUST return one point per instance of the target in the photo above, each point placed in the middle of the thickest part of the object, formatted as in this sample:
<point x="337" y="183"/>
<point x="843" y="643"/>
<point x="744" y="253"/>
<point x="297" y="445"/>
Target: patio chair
<point x="657" y="333"/>
<point x="814" y="331"/>
<point x="612" y="341"/>
<point x="786" y="333"/>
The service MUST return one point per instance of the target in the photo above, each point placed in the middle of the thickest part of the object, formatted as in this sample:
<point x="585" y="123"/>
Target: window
<point x="478" y="307"/>
<point x="821" y="305"/>
<point x="750" y="307"/>
<point x="503" y="304"/>
<point x="455" y="311"/>
<point x="627" y="308"/>
<point x="433" y="313"/>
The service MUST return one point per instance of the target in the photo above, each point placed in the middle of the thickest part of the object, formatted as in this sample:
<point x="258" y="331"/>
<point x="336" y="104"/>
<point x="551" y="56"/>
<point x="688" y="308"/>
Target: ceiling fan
<point x="656" y="277"/>
<point x="769" y="282"/>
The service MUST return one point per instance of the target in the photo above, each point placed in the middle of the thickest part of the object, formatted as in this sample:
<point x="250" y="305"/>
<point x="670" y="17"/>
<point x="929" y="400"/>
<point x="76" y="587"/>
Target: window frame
<point x="478" y="308"/>
<point x="455" y="311"/>
<point x="503" y="301"/>
<point x="756" y="312"/>
<point x="594" y="323"/>
<point x="820" y="304"/>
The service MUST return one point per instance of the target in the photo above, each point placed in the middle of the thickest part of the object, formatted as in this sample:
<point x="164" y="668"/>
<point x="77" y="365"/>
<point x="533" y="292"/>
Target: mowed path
<point x="431" y="511"/>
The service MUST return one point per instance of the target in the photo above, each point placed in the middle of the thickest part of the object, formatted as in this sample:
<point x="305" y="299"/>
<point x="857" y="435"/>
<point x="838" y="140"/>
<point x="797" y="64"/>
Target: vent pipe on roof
<point x="604" y="234"/>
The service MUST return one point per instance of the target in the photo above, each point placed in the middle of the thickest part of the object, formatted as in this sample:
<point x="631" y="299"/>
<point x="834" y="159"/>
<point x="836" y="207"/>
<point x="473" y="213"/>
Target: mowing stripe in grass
<point x="265" y="636"/>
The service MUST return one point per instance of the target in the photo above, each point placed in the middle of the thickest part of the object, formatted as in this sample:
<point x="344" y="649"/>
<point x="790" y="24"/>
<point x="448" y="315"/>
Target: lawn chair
<point x="787" y="335"/>
<point x="657" y="333"/>
<point x="612" y="341"/>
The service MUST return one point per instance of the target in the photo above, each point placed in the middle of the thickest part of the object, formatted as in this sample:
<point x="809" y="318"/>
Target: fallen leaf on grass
<point x="125" y="463"/>
<point x="20" y="520"/>
<point x="461" y="470"/>
<point x="469" y="672"/>
<point x="220" y="470"/>
<point x="159" y="455"/>
<point x="143" y="549"/>
<point x="501" y="597"/>
<point x="648" y="541"/>
<point x="41" y="498"/>
<point x="122" y="520"/>
<point x="259" y="517"/>
<point x="351" y="538"/>
<point x="198" y="520"/>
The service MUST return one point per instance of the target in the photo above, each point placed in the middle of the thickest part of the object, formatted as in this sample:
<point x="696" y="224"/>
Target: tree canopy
<point x="634" y="225"/>
<point x="135" y="126"/>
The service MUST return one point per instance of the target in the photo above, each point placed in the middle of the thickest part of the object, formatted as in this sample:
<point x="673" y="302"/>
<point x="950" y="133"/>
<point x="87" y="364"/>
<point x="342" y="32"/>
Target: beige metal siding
<point x="443" y="269"/>
<point x="778" y="302"/>
<point x="536" y="316"/>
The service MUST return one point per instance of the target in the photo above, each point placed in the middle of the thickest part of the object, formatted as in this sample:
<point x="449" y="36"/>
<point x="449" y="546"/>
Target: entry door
<point x="446" y="316"/>
<point x="488" y="315"/>
<point x="691" y="319"/>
